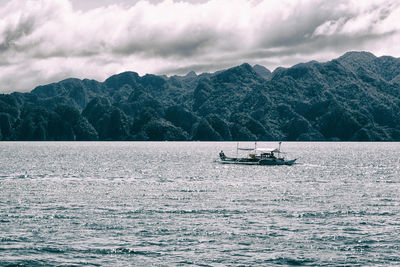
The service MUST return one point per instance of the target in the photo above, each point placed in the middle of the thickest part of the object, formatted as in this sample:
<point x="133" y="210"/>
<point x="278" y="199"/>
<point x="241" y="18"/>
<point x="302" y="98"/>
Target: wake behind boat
<point x="257" y="156"/>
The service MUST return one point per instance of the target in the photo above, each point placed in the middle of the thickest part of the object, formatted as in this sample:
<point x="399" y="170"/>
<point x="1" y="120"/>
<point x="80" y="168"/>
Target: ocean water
<point x="171" y="204"/>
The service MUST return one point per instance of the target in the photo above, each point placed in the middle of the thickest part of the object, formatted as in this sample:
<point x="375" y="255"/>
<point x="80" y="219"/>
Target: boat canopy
<point x="246" y="149"/>
<point x="266" y="150"/>
<point x="260" y="150"/>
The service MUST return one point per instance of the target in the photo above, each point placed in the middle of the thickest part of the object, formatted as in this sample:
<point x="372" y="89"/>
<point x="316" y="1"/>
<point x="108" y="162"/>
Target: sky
<point x="44" y="41"/>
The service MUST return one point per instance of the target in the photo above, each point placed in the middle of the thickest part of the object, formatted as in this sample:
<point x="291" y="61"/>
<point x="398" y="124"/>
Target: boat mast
<point x="279" y="152"/>
<point x="237" y="148"/>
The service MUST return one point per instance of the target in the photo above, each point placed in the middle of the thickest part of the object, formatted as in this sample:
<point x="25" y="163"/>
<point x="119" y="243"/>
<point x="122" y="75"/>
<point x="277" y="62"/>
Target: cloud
<point x="43" y="41"/>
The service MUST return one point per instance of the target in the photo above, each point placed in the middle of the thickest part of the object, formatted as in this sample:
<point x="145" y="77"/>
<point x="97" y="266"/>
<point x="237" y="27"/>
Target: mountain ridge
<point x="355" y="97"/>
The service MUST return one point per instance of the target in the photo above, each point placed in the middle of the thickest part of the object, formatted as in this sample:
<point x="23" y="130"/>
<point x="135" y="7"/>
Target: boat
<point x="257" y="156"/>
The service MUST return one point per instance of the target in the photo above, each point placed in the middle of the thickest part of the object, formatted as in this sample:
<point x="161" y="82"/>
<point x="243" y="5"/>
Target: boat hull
<point x="277" y="162"/>
<point x="257" y="162"/>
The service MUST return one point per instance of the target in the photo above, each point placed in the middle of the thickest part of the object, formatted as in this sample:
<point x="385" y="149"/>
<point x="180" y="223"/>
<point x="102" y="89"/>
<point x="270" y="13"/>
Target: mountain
<point x="262" y="71"/>
<point x="355" y="97"/>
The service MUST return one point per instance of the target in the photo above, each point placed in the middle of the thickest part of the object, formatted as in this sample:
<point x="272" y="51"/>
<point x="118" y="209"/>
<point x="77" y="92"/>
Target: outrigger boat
<point x="257" y="156"/>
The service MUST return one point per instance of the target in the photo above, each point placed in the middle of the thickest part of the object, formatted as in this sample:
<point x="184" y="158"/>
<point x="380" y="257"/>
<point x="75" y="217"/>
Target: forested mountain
<point x="352" y="98"/>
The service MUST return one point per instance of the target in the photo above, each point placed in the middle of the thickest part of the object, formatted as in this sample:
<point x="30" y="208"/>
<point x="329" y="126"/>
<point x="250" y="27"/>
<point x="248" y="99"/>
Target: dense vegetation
<point x="353" y="98"/>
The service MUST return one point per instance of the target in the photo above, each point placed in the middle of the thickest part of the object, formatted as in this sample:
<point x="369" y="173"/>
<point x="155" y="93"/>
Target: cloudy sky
<point x="43" y="41"/>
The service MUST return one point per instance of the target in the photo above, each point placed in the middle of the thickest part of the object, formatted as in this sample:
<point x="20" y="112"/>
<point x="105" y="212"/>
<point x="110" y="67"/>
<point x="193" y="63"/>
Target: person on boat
<point x="222" y="155"/>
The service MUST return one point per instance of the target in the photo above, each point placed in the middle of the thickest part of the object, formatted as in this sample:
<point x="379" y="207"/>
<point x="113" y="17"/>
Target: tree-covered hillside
<point x="353" y="98"/>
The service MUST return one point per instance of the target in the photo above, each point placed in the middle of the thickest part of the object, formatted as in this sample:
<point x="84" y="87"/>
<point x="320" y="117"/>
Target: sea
<point x="174" y="204"/>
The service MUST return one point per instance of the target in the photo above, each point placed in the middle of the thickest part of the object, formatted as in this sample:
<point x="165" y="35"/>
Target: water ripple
<point x="170" y="204"/>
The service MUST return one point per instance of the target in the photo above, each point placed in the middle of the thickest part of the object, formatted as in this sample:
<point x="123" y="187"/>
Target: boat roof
<point x="244" y="148"/>
<point x="266" y="150"/>
<point x="260" y="150"/>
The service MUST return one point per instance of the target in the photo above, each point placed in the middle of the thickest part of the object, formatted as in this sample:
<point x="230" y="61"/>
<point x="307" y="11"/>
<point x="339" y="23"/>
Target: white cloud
<point x="43" y="41"/>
